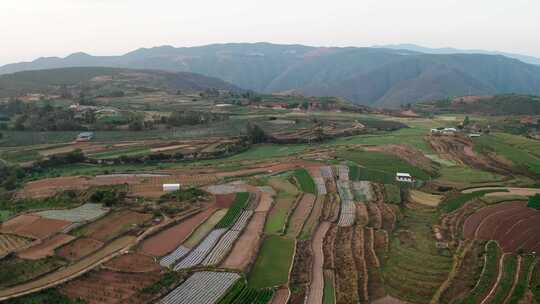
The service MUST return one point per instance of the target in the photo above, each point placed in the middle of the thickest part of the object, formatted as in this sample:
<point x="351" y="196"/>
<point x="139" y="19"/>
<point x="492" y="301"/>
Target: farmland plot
<point x="46" y="248"/>
<point x="174" y="256"/>
<point x="362" y="191"/>
<point x="85" y="213"/>
<point x="348" y="209"/>
<point x="197" y="255"/>
<point x="326" y="172"/>
<point x="9" y="243"/>
<point x="320" y="184"/>
<point x="342" y="173"/>
<point x="115" y="224"/>
<point x="226" y="242"/>
<point x="202" y="288"/>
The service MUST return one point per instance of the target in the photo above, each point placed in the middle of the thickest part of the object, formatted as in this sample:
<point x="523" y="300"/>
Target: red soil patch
<point x="79" y="248"/>
<point x="46" y="248"/>
<point x="265" y="202"/>
<point x="17" y="223"/>
<point x="167" y="240"/>
<point x="512" y="224"/>
<point x="49" y="186"/>
<point x="133" y="262"/>
<point x="115" y="224"/>
<point x="107" y="286"/>
<point x="41" y="228"/>
<point x="225" y="200"/>
<point x="245" y="249"/>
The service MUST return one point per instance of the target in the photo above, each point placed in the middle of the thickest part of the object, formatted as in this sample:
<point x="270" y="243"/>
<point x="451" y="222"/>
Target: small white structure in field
<point x="472" y="135"/>
<point x="171" y="187"/>
<point x="404" y="177"/>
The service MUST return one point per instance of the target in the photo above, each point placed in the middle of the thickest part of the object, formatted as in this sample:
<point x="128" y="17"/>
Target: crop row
<point x="305" y="181"/>
<point x="174" y="256"/>
<point x="321" y="185"/>
<point x="344" y="189"/>
<point x="226" y="242"/>
<point x="347" y="214"/>
<point x="343" y="173"/>
<point x="202" y="288"/>
<point x="198" y="254"/>
<point x="240" y="202"/>
<point x="362" y="191"/>
<point x="488" y="275"/>
<point x="326" y="172"/>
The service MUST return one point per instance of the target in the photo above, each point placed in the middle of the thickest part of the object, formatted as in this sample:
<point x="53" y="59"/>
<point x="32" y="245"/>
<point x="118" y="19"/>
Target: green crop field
<point x="273" y="262"/>
<point x="459" y="200"/>
<point x="415" y="268"/>
<point x="268" y="151"/>
<point x="15" y="271"/>
<point x="240" y="202"/>
<point x="488" y="276"/>
<point x="278" y="216"/>
<point x="459" y="174"/>
<point x="305" y="180"/>
<point x="381" y="167"/>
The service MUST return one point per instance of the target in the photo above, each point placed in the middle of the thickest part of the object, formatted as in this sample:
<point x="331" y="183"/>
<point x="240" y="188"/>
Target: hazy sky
<point x="34" y="28"/>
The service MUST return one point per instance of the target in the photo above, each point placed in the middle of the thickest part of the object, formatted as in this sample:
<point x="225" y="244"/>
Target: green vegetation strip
<point x="456" y="202"/>
<point x="240" y="293"/>
<point x="240" y="202"/>
<point x="328" y="291"/>
<point x="392" y="193"/>
<point x="534" y="202"/>
<point x="304" y="179"/>
<point x="354" y="172"/>
<point x="52" y="296"/>
<point x="488" y="275"/>
<point x="66" y="199"/>
<point x="273" y="263"/>
<point x="523" y="279"/>
<point x="507" y="279"/>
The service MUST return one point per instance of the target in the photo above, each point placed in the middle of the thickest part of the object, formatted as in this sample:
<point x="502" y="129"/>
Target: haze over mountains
<point x="370" y="76"/>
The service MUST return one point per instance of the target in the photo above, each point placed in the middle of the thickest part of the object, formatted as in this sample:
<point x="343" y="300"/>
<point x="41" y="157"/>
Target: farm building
<point x="85" y="136"/>
<point x="404" y="177"/>
<point x="171" y="187"/>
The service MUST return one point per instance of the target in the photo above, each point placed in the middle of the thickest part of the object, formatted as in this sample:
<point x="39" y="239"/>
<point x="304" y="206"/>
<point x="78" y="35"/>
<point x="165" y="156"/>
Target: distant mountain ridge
<point x="370" y="76"/>
<point x="448" y="50"/>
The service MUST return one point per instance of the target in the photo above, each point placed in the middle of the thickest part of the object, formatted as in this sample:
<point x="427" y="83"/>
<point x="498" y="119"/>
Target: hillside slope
<point x="370" y="76"/>
<point x="50" y="80"/>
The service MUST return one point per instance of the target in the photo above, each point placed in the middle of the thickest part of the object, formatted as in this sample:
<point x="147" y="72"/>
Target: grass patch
<point x="277" y="219"/>
<point x="415" y="268"/>
<point x="458" y="174"/>
<point x="268" y="151"/>
<point x="488" y="276"/>
<point x="14" y="271"/>
<point x="48" y="296"/>
<point x="392" y="194"/>
<point x="328" y="291"/>
<point x="273" y="262"/>
<point x="382" y="167"/>
<point x="534" y="202"/>
<point x="240" y="202"/>
<point x="523" y="279"/>
<point x="4" y="214"/>
<point x="456" y="202"/>
<point x="65" y="199"/>
<point x="354" y="173"/>
<point x="507" y="279"/>
<point x="305" y="180"/>
<point x="135" y="151"/>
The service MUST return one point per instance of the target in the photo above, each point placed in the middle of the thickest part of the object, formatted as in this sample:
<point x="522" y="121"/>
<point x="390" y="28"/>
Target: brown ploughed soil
<point x="79" y="248"/>
<point x="46" y="248"/>
<point x="246" y="247"/>
<point x="300" y="214"/>
<point x="167" y="240"/>
<point x="42" y="228"/>
<point x="115" y="224"/>
<point x="133" y="262"/>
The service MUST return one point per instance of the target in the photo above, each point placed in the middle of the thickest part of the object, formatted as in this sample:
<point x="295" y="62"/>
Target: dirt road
<point x="315" y="295"/>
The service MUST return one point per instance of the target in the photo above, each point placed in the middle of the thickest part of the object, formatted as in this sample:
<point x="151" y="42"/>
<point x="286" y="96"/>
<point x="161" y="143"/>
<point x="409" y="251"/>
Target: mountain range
<point x="382" y="77"/>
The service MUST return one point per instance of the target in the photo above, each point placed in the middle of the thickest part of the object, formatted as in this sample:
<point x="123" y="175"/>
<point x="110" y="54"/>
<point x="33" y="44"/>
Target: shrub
<point x="534" y="202"/>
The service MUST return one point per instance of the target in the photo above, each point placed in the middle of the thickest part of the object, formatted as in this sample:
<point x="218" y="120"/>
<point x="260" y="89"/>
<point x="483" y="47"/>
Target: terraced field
<point x="415" y="268"/>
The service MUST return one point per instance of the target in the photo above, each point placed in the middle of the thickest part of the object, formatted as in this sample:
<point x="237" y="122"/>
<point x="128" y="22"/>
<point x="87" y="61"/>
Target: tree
<point x="466" y="121"/>
<point x="136" y="125"/>
<point x="255" y="133"/>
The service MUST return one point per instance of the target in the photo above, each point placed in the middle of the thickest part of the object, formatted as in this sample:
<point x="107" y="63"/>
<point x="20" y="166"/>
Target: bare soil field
<point x="10" y="242"/>
<point x="315" y="295"/>
<point x="265" y="203"/>
<point x="46" y="248"/>
<point x="106" y="286"/>
<point x="300" y="214"/>
<point x="40" y="228"/>
<point x="302" y="264"/>
<point x="246" y="247"/>
<point x="114" y="224"/>
<point x="50" y="186"/>
<point x="225" y="200"/>
<point x="18" y="222"/>
<point x="79" y="248"/>
<point x="345" y="268"/>
<point x="423" y="198"/>
<point x="512" y="224"/>
<point x="167" y="240"/>
<point x="133" y="262"/>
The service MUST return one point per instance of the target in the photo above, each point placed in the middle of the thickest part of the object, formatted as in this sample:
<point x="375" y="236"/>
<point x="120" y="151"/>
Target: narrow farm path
<point x="315" y="295"/>
<point x="497" y="282"/>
